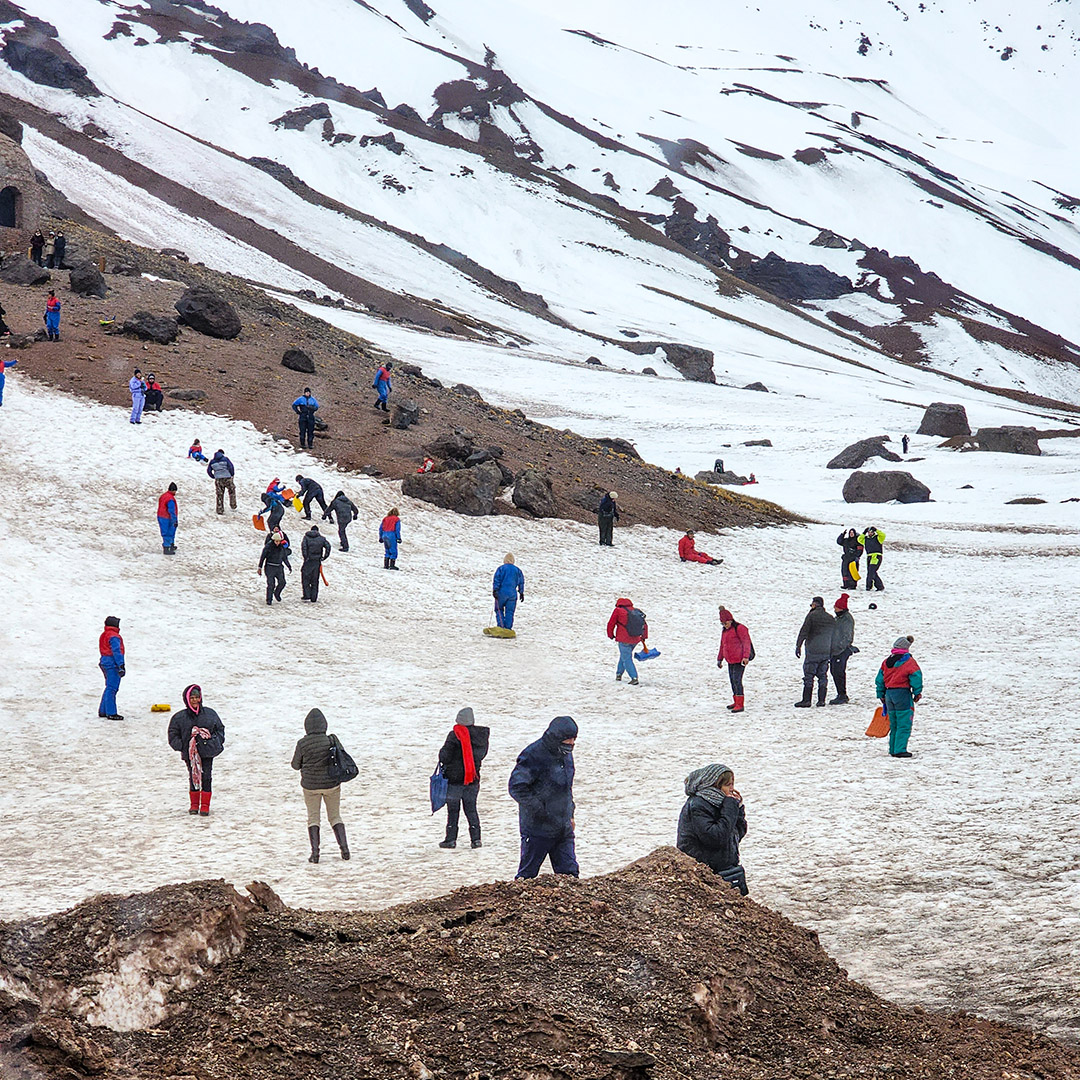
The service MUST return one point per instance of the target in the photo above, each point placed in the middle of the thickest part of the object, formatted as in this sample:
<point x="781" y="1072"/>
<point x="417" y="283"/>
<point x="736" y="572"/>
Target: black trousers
<point x="873" y="581"/>
<point x="207" y="773"/>
<point x="309" y="578"/>
<point x="838" y="670"/>
<point x="457" y="796"/>
<point x="735" y="674"/>
<point x="318" y="497"/>
<point x="342" y="525"/>
<point x="273" y="519"/>
<point x="154" y="400"/>
<point x="275" y="581"/>
<point x="607" y="524"/>
<point x="845" y="576"/>
<point x="815" y="668"/>
<point x="307" y="430"/>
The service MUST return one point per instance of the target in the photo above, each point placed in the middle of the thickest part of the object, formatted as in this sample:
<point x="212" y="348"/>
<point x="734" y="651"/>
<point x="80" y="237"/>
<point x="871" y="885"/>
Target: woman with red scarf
<point x="465" y="747"/>
<point x="198" y="734"/>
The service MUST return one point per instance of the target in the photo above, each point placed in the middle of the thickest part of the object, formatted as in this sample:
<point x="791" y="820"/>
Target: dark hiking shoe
<point x="633" y="682"/>
<point x="448" y="844"/>
<point x="839" y="700"/>
<point x="477" y="843"/>
<point x="802" y="704"/>
<point x="114" y="716"/>
<point x="618" y="678"/>
<point x="903" y="753"/>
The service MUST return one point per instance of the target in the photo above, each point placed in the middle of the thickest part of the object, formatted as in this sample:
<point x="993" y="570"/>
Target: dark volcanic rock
<point x="11" y="127"/>
<point x="858" y="454"/>
<point x="881" y="487"/>
<point x="1026" y="500"/>
<point x="532" y="492"/>
<point x="691" y="362"/>
<point x="621" y="446"/>
<point x="944" y="418"/>
<point x="727" y="478"/>
<point x="87" y="280"/>
<point x="298" y="360"/>
<point x="188" y="395"/>
<point x="405" y="414"/>
<point x="704" y="238"/>
<point x="149" y="327"/>
<point x="794" y="280"/>
<point x="1009" y="440"/>
<point x="827" y="239"/>
<point x="760" y="387"/>
<point x="468" y="391"/>
<point x="47" y="63"/>
<point x="452" y="444"/>
<point x="205" y="311"/>
<point x="386" y="140"/>
<point x="466" y="491"/>
<point x="19" y="270"/>
<point x="758" y="442"/>
<point x="298" y="119"/>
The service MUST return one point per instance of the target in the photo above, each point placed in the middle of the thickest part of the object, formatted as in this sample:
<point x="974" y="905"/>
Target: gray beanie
<point x="465" y="717"/>
<point x="903" y="642"/>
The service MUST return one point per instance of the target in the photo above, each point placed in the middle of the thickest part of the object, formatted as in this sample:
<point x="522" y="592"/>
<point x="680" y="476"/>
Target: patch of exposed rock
<point x="858" y="454"/>
<point x="1009" y="440"/>
<point x="465" y="491"/>
<point x="882" y="487"/>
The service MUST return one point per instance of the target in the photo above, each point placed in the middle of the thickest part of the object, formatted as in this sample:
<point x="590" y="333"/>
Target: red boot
<point x="194" y="808"/>
<point x="204" y="804"/>
<point x="738" y="706"/>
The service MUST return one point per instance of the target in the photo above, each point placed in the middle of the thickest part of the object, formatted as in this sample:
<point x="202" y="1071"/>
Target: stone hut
<point x="20" y="193"/>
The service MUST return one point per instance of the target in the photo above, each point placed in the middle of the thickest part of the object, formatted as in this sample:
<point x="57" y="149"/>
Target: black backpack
<point x="635" y="622"/>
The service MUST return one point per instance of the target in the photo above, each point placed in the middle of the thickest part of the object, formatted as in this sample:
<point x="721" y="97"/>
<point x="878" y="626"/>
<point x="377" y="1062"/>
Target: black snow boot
<point x="474" y="836"/>
<point x="448" y="844"/>
<point x="342" y="839"/>
<point x="313" y="836"/>
<point x="807" y="694"/>
<point x="386" y="562"/>
<point x="393" y="564"/>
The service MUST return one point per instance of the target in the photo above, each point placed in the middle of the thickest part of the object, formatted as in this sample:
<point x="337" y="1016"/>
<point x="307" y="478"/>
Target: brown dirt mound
<point x="657" y="971"/>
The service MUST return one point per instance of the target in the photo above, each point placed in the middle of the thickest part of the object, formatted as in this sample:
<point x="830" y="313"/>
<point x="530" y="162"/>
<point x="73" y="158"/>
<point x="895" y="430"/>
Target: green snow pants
<point x="900" y="707"/>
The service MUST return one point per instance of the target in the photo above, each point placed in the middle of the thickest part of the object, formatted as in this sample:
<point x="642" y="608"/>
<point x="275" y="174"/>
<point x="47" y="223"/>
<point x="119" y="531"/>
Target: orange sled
<point x="258" y="522"/>
<point x="879" y="726"/>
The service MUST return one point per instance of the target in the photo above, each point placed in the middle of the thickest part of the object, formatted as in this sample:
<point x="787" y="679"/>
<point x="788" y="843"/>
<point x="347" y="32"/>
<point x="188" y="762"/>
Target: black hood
<point x="315" y="722"/>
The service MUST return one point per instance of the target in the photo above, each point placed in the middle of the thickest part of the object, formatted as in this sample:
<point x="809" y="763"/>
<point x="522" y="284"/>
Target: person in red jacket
<point x="166" y="519"/>
<point x="627" y="627"/>
<point x="737" y="649"/>
<point x="688" y="553"/>
<point x="111" y="661"/>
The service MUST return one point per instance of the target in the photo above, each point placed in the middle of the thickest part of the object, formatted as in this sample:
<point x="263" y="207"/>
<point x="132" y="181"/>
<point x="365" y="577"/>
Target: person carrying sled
<point x="346" y="512"/>
<point x="465" y="747"/>
<point x="712" y="822"/>
<point x="315" y="550"/>
<point x="154" y="397"/>
<point x="52" y="317"/>
<point x="221" y="471"/>
<point x="849" y="558"/>
<point x="273" y="500"/>
<point x="275" y="558"/>
<point x="198" y="735"/>
<point x="872" y="540"/>
<point x="137" y="389"/>
<point x="390" y="537"/>
<point x="507" y="586"/>
<point x="542" y="784"/>
<point x="4" y="364"/>
<point x="816" y="634"/>
<point x="689" y="553"/>
<point x="167" y="518"/>
<point x="305" y="407"/>
<point x="113" y="666"/>
<point x="627" y="627"/>
<point x="737" y="649"/>
<point x="843" y="636"/>
<point x="606" y="516"/>
<point x="310" y="491"/>
<point x="195" y="452"/>
<point x="312" y="759"/>
<point x="383" y="386"/>
<point x="899" y="685"/>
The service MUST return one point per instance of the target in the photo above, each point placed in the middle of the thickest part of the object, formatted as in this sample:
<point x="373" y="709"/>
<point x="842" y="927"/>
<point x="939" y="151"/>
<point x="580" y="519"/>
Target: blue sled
<point x="647" y="654"/>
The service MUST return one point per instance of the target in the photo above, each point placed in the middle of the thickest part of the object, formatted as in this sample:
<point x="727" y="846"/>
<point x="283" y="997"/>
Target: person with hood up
<point x="346" y="513"/>
<point x="899" y="685"/>
<point x="37" y="246"/>
<point x="316" y="550"/>
<point x="465" y="747"/>
<point x="507" y="586"/>
<point x="383" y="386"/>
<point x="606" y="516"/>
<point x="689" y="553"/>
<point x="843" y="636"/>
<point x="737" y="649"/>
<point x="312" y="758"/>
<point x="198" y="735"/>
<point x="273" y="500"/>
<point x="275" y="557"/>
<point x="154" y="396"/>
<point x="542" y="784"/>
<point x="137" y="389"/>
<point x="390" y="537"/>
<point x="3" y="378"/>
<point x="305" y="407"/>
<point x="873" y="541"/>
<point x="712" y="822"/>
<point x="816" y="634"/>
<point x="167" y="519"/>
<point x="113" y="666"/>
<point x="52" y="317"/>
<point x="221" y="471"/>
<point x="627" y="627"/>
<point x="849" y="559"/>
<point x="308" y="490"/>
<point x="59" y="250"/>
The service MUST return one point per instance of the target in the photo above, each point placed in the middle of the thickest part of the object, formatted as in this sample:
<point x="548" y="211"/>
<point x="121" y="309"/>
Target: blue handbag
<point x="437" y="788"/>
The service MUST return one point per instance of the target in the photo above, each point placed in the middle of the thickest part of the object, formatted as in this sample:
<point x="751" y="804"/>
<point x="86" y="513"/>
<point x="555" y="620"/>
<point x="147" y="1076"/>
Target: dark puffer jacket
<point x="816" y="634"/>
<point x="180" y="732"/>
<point x="542" y="783"/>
<point x="843" y="633"/>
<point x="711" y="834"/>
<point x="312" y="754"/>
<point x="451" y="759"/>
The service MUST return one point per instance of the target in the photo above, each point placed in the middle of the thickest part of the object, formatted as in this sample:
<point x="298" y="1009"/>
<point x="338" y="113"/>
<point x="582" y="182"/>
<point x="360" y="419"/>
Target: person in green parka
<point x="899" y="685"/>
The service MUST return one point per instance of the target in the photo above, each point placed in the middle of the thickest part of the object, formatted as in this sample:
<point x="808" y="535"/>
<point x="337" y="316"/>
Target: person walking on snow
<point x="312" y="758"/>
<point x="221" y="471"/>
<point x="689" y="553"/>
<point x="198" y="735"/>
<point x="316" y="550"/>
<point x="712" y="822"/>
<point x="899" y="685"/>
<point x="465" y="747"/>
<point x="849" y="559"/>
<point x="308" y="490"/>
<point x="606" y="516"/>
<point x="3" y="378"/>
<point x="305" y="407"/>
<point x="507" y="586"/>
<point x="390" y="537"/>
<point x="275" y="558"/>
<point x="346" y="513"/>
<point x="52" y="317"/>
<point x="627" y="626"/>
<point x="273" y="500"/>
<point x="873" y="539"/>
<point x="843" y="636"/>
<point x="113" y="666"/>
<point x="542" y="784"/>
<point x="137" y="387"/>
<point x="383" y="386"/>
<point x="167" y="519"/>
<point x="816" y="634"/>
<point x="737" y="649"/>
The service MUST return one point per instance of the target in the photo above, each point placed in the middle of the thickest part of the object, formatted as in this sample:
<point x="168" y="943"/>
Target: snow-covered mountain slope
<point x="512" y="170"/>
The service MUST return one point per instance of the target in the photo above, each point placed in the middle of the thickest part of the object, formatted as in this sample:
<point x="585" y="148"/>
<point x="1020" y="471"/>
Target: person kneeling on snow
<point x="712" y="822"/>
<point x="688" y="553"/>
<point x="507" y="586"/>
<point x="198" y="734"/>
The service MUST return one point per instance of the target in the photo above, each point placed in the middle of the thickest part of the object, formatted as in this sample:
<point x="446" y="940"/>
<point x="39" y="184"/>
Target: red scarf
<point x="194" y="758"/>
<point x="462" y="732"/>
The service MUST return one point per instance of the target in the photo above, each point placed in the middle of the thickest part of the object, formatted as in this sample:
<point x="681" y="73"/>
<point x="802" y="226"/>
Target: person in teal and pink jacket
<point x="899" y="685"/>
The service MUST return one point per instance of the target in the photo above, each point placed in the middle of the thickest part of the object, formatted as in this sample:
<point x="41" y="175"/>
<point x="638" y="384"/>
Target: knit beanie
<point x="903" y="642"/>
<point x="841" y="602"/>
<point x="726" y="616"/>
<point x="465" y="717"/>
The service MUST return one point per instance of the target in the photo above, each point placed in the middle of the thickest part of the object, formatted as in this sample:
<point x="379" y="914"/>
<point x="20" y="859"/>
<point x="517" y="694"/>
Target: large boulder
<point x="451" y="444"/>
<point x="87" y="280"/>
<point x="620" y="446"/>
<point x="690" y="362"/>
<point x="882" y="487"/>
<point x="19" y="270"/>
<point x="795" y="280"/>
<point x="149" y="327"/>
<point x="727" y="477"/>
<point x="1009" y="440"/>
<point x="944" y="418"/>
<point x="532" y="492"/>
<point x="858" y="454"/>
<point x="298" y="360"/>
<point x="405" y="414"/>
<point x="188" y="395"/>
<point x="205" y="311"/>
<point x="466" y="491"/>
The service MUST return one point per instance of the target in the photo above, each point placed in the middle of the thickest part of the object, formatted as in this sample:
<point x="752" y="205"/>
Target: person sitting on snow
<point x="688" y="553"/>
<point x="195" y="451"/>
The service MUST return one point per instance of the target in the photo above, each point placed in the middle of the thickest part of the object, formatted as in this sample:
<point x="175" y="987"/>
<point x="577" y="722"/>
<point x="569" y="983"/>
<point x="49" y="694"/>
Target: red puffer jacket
<point x="616" y="626"/>
<point x="689" y="553"/>
<point x="734" y="644"/>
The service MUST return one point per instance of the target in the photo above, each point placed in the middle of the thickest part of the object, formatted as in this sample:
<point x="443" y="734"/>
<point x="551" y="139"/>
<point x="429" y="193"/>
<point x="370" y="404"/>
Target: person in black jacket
<point x="606" y="516"/>
<point x="315" y="550"/>
<point x="346" y="512"/>
<point x="843" y="639"/>
<point x="852" y="550"/>
<point x="465" y="747"/>
<point x="275" y="557"/>
<point x="712" y="823"/>
<point x="308" y="490"/>
<point x="312" y="758"/>
<point x="198" y="734"/>
<point x="816" y="634"/>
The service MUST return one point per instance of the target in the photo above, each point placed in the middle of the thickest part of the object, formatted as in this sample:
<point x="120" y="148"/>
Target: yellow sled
<point x="853" y="571"/>
<point x="499" y="631"/>
<point x="298" y="504"/>
<point x="161" y="708"/>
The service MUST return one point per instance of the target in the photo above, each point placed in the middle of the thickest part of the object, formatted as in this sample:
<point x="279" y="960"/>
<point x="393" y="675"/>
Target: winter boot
<point x="821" y="695"/>
<point x="194" y="808"/>
<point x="386" y="562"/>
<point x="633" y="682"/>
<point x="448" y="844"/>
<point x="342" y="839"/>
<point x="204" y="803"/>
<point x="393" y="564"/>
<point x="738" y="706"/>
<point x="807" y="694"/>
<point x="313" y="836"/>
<point x="840" y="699"/>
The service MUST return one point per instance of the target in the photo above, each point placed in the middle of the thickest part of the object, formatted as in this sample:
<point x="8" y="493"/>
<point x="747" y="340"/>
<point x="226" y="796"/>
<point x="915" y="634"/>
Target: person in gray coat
<point x="816" y="635"/>
<point x="312" y="758"/>
<point x="843" y="635"/>
<point x="346" y="512"/>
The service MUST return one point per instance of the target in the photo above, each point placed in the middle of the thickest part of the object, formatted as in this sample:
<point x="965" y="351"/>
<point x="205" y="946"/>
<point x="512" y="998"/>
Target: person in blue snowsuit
<point x="3" y="378"/>
<point x="390" y="536"/>
<point x="167" y="519"/>
<point x="305" y="407"/>
<point x="507" y="585"/>
<point x="542" y="784"/>
<point x="111" y="662"/>
<point x="52" y="317"/>
<point x="382" y="385"/>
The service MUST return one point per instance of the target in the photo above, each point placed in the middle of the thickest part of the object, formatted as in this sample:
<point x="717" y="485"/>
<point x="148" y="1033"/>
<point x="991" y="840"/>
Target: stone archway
<point x="10" y="208"/>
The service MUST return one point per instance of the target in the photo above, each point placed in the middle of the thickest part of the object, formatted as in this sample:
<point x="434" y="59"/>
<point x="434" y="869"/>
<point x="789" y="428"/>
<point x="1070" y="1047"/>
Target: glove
<point x="798" y="653"/>
<point x="122" y="670"/>
<point x="719" y="663"/>
<point x="918" y="697"/>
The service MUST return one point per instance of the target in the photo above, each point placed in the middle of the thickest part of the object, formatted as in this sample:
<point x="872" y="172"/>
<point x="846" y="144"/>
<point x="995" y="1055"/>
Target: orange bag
<point x="879" y="726"/>
<point x="258" y="522"/>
